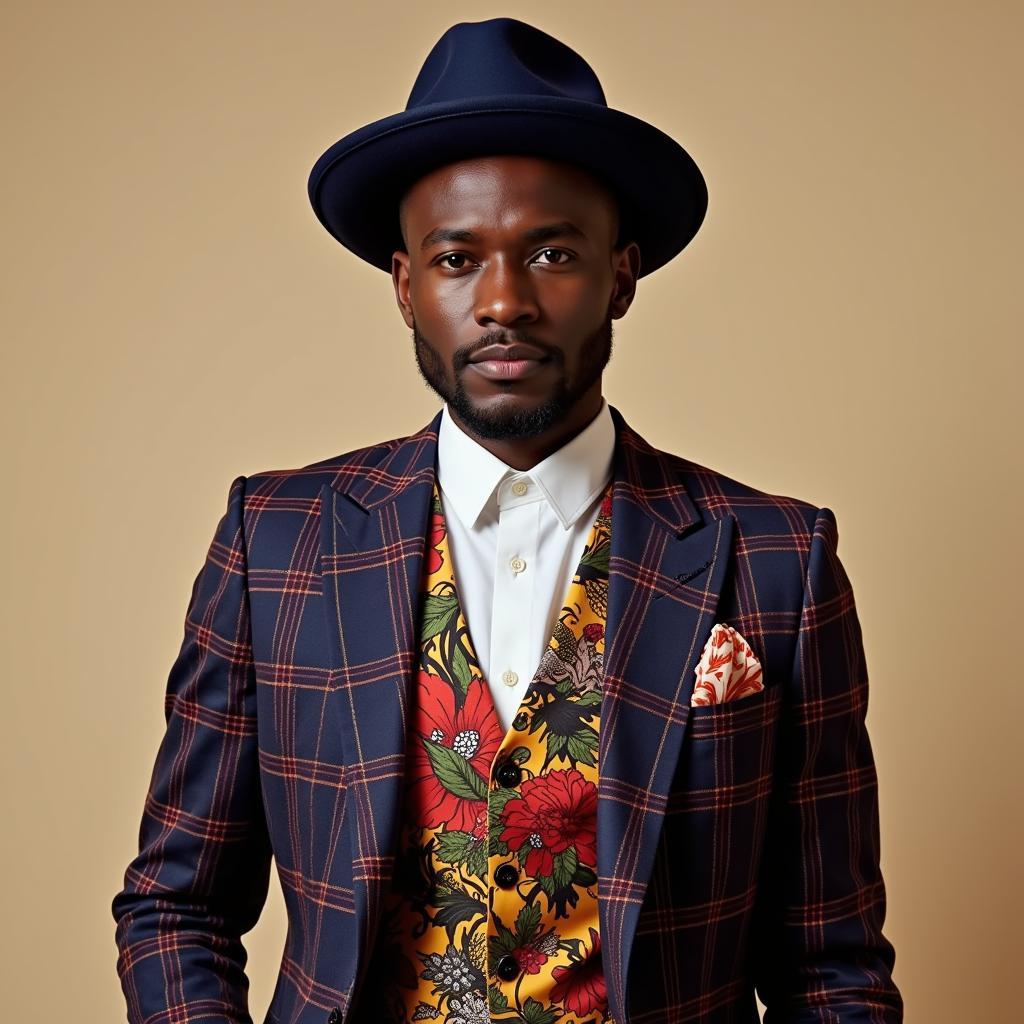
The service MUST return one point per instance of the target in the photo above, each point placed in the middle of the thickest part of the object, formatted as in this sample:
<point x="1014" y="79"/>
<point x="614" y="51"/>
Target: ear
<point x="400" y="279"/>
<point x="626" y="269"/>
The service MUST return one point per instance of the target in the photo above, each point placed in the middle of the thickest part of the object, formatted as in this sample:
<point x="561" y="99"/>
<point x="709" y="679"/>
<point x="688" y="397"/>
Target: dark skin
<point x="557" y="289"/>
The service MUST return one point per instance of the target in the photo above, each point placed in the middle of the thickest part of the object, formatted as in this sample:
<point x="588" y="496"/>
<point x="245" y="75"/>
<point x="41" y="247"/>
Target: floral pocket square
<point x="728" y="669"/>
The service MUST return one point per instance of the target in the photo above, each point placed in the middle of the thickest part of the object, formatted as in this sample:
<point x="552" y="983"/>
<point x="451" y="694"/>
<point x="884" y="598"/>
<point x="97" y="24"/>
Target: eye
<point x="443" y="260"/>
<point x="557" y="252"/>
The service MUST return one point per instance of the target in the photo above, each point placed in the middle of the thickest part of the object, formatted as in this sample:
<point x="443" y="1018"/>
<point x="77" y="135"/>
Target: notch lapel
<point x="666" y="570"/>
<point x="374" y="522"/>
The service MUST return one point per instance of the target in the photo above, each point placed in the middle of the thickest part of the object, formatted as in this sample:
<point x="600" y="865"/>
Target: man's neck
<point x="523" y="454"/>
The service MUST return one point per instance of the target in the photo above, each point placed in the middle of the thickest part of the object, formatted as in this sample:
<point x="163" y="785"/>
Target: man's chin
<point x="507" y="417"/>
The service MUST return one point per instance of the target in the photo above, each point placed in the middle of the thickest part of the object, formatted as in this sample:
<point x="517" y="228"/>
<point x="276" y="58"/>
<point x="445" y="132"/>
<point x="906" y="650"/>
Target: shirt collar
<point x="570" y="478"/>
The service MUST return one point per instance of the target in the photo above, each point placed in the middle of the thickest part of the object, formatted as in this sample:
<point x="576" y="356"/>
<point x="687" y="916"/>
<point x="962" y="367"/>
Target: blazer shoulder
<point x="774" y="532"/>
<point x="305" y="482"/>
<point x="756" y="510"/>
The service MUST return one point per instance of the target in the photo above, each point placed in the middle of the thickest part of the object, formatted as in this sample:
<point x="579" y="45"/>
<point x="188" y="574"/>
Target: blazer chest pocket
<point x="705" y="874"/>
<point x="718" y="806"/>
<point x="729" y="753"/>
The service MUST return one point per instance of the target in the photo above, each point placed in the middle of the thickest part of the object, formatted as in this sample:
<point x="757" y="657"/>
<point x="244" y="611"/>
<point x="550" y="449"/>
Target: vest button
<point x="510" y="774"/>
<point x="508" y="968"/>
<point x="334" y="1017"/>
<point x="506" y="876"/>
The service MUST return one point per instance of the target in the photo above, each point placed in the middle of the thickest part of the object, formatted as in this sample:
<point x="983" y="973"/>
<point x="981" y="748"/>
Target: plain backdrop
<point x="844" y="329"/>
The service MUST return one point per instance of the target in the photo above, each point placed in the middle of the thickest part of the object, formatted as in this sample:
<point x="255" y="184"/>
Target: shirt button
<point x="510" y="775"/>
<point x="517" y="564"/>
<point x="519" y="487"/>
<point x="506" y="876"/>
<point x="507" y="968"/>
<point x="510" y="678"/>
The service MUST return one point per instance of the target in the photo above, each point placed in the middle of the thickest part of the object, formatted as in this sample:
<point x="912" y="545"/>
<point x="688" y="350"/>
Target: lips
<point x="508" y="362"/>
<point x="507" y="369"/>
<point x="516" y="351"/>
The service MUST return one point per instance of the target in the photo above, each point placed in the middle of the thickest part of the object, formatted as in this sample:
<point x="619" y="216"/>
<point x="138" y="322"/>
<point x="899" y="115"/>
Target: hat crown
<point x="503" y="87"/>
<point x="502" y="57"/>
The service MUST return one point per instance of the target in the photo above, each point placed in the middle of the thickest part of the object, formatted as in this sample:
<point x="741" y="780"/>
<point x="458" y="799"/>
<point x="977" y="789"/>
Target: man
<point x="538" y="722"/>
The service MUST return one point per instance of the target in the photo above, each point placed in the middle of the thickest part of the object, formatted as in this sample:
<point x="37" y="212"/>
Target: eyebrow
<point x="541" y="233"/>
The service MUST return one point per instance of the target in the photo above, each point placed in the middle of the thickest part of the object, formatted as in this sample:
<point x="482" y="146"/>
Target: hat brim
<point x="356" y="185"/>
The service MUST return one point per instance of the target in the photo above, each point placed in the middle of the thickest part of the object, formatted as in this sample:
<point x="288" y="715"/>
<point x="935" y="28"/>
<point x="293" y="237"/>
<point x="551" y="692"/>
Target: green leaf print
<point x="582" y="746"/>
<point x="584" y="877"/>
<point x="455" y="906"/>
<point x="527" y="923"/>
<point x="537" y="1013"/>
<point x="454" y="772"/>
<point x="565" y="864"/>
<point x="556" y="747"/>
<point x="597" y="558"/>
<point x="496" y="801"/>
<point x="502" y="942"/>
<point x="457" y="847"/>
<point x="460" y="668"/>
<point x="438" y="610"/>
<point x="497" y="998"/>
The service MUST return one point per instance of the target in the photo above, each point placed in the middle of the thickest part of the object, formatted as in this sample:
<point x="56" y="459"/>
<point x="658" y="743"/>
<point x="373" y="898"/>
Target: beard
<point x="508" y="421"/>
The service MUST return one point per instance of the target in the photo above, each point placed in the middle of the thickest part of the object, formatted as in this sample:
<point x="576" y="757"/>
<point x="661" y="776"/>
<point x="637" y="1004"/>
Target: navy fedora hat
<point x="502" y="87"/>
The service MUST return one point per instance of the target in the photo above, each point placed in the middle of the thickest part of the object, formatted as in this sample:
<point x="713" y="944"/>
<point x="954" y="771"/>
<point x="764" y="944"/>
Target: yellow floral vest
<point x="492" y="909"/>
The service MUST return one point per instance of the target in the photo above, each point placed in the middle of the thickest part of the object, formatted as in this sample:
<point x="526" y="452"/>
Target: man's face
<point x="513" y="250"/>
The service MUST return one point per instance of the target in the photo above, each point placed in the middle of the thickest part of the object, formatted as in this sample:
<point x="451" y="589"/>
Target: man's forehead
<point x="481" y="182"/>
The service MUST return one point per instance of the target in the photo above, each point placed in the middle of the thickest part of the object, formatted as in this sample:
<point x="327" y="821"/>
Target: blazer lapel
<point x="373" y="536"/>
<point x="666" y="571"/>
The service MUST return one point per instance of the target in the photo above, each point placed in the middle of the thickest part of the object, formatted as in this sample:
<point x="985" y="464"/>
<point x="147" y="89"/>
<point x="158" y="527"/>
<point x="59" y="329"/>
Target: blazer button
<point x="507" y="968"/>
<point x="506" y="876"/>
<point x="334" y="1017"/>
<point x="510" y="774"/>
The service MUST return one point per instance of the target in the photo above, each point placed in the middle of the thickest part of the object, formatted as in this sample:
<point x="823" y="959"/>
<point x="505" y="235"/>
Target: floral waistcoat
<point x="492" y="910"/>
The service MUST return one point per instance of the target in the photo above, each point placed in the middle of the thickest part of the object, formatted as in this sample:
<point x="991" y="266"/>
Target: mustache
<point x="463" y="355"/>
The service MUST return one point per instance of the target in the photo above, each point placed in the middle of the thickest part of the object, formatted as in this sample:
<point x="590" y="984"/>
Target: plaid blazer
<point x="737" y="843"/>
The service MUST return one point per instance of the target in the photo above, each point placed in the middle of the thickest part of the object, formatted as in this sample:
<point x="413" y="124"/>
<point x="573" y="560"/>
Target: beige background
<point x="845" y="329"/>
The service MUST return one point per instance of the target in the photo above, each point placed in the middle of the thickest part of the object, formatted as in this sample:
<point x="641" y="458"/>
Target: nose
<point x="504" y="295"/>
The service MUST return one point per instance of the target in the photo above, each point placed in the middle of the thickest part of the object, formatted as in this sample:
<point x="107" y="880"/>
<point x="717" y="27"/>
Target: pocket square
<point x="728" y="669"/>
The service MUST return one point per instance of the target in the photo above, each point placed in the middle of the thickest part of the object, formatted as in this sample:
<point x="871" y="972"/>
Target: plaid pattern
<point x="738" y="843"/>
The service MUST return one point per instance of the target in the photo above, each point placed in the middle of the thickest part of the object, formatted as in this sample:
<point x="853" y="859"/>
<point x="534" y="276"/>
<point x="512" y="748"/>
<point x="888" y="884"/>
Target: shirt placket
<point x="515" y="574"/>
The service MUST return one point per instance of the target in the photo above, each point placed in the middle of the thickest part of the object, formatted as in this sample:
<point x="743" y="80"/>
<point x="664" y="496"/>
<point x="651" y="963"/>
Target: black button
<point x="510" y="774"/>
<point x="506" y="876"/>
<point x="334" y="1017"/>
<point x="508" y="968"/>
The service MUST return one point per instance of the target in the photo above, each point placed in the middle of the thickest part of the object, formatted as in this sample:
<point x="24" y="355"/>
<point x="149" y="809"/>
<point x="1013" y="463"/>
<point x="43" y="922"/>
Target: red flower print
<point x="472" y="732"/>
<point x="437" y="534"/>
<point x="580" y="987"/>
<point x="530" y="960"/>
<point x="555" y="811"/>
<point x="479" y="830"/>
<point x="606" y="505"/>
<point x="593" y="631"/>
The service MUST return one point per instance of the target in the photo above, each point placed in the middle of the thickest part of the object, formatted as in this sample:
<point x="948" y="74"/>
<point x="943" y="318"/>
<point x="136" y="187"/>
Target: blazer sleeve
<point x="818" y="948"/>
<point x="201" y="876"/>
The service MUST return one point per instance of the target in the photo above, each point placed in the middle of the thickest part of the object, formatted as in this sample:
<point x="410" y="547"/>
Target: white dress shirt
<point x="515" y="540"/>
